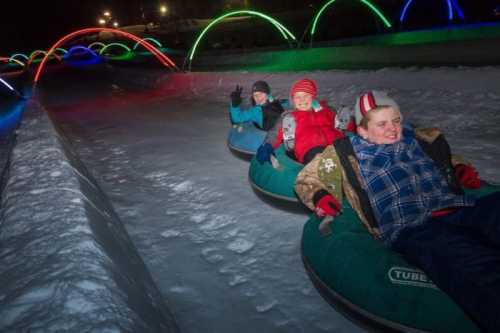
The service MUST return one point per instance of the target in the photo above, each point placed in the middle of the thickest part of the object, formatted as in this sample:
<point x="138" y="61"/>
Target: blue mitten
<point x="264" y="153"/>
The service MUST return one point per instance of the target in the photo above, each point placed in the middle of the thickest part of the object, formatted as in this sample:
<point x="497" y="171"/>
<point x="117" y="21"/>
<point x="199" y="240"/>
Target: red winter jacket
<point x="312" y="129"/>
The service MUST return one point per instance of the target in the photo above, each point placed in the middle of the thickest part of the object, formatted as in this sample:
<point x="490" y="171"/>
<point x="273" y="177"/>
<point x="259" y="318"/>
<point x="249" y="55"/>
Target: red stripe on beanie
<point x="304" y="85"/>
<point x="366" y="103"/>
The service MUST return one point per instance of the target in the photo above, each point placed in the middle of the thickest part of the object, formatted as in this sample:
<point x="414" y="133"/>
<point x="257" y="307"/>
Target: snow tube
<point x="245" y="138"/>
<point x="373" y="285"/>
<point x="276" y="181"/>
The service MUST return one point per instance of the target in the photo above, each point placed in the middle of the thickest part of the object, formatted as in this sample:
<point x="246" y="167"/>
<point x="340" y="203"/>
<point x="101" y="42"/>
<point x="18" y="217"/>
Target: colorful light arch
<point x="13" y="58"/>
<point x="287" y="35"/>
<point x="452" y="4"/>
<point x="152" y="40"/>
<point x="372" y="7"/>
<point x="127" y="55"/>
<point x="60" y="49"/>
<point x="77" y="48"/>
<point x="20" y="63"/>
<point x="166" y="61"/>
<point x="19" y="55"/>
<point x="34" y="54"/>
<point x="91" y="46"/>
<point x="120" y="45"/>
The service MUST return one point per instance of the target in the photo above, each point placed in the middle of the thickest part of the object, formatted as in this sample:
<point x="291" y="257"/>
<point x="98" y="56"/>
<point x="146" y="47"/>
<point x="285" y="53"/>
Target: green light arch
<point x="287" y="35"/>
<point x="123" y="46"/>
<point x="96" y="44"/>
<point x="148" y="39"/>
<point x="13" y="59"/>
<point x="19" y="55"/>
<point x="365" y="2"/>
<point x="122" y="57"/>
<point x="61" y="50"/>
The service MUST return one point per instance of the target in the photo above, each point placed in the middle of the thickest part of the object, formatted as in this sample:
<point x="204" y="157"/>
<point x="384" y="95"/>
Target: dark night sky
<point x="39" y="24"/>
<point x="25" y="26"/>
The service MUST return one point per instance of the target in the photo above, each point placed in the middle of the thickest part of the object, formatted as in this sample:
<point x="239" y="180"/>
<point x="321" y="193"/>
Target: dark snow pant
<point x="460" y="253"/>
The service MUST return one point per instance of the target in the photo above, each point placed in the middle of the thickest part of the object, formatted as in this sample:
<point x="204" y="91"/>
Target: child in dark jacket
<point x="265" y="110"/>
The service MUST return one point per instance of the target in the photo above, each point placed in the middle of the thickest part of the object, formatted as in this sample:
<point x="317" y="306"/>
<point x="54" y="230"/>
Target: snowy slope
<point x="223" y="259"/>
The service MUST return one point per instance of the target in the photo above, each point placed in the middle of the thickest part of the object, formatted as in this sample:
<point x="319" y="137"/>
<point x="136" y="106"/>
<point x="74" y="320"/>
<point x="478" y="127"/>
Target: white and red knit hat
<point x="369" y="101"/>
<point x="304" y="85"/>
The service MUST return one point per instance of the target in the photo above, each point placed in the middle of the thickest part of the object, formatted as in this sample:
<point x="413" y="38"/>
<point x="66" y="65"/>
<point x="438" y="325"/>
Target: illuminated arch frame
<point x="34" y="54"/>
<point x="60" y="49"/>
<point x="96" y="43"/>
<point x="154" y="41"/>
<point x="287" y="35"/>
<point x="18" y="62"/>
<point x="125" y="56"/>
<point x="95" y="58"/>
<point x="123" y="46"/>
<point x="452" y="4"/>
<point x="10" y="60"/>
<point x="365" y="2"/>
<point x="166" y="61"/>
<point x="72" y="50"/>
<point x="13" y="58"/>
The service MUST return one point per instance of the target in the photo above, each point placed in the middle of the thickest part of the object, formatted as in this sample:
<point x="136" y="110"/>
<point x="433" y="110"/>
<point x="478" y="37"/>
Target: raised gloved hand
<point x="264" y="153"/>
<point x="467" y="176"/>
<point x="236" y="96"/>
<point x="327" y="205"/>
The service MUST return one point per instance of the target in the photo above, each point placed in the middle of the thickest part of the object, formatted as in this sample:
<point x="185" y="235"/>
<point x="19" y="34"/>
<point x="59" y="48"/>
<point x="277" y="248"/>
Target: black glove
<point x="236" y="96"/>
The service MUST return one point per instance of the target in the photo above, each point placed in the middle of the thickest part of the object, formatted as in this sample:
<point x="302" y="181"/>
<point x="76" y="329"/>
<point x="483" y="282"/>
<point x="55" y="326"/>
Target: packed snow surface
<point x="225" y="260"/>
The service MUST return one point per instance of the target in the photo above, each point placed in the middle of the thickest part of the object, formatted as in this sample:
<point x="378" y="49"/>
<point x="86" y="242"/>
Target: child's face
<point x="259" y="97"/>
<point x="384" y="126"/>
<point x="302" y="101"/>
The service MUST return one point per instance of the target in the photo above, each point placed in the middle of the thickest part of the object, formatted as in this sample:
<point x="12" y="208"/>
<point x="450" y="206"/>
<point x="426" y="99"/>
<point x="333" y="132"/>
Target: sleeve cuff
<point x="318" y="196"/>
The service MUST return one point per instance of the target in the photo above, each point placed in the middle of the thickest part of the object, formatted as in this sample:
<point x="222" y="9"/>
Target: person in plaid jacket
<point x="409" y="198"/>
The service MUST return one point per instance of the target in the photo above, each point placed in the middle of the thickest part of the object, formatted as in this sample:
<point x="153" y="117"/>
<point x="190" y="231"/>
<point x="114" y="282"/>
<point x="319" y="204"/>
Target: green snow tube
<point x="373" y="285"/>
<point x="275" y="181"/>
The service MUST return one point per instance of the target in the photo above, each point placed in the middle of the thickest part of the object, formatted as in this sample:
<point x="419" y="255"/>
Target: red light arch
<point x="166" y="61"/>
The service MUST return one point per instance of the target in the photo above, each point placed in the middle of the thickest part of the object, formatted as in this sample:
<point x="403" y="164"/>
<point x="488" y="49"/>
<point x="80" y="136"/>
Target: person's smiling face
<point x="384" y="126"/>
<point x="302" y="101"/>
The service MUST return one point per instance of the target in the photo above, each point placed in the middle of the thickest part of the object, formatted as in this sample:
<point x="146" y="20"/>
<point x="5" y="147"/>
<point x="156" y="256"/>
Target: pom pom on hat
<point x="369" y="101"/>
<point x="304" y="85"/>
<point x="261" y="86"/>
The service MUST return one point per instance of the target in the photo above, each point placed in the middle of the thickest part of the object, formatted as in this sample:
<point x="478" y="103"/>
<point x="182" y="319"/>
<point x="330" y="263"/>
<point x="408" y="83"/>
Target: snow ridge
<point x="66" y="261"/>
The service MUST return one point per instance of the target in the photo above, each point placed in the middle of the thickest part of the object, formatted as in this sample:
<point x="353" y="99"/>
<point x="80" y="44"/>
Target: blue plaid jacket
<point x="403" y="184"/>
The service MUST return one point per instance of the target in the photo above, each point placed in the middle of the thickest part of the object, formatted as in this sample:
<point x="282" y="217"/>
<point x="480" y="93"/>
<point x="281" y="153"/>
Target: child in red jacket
<point x="306" y="130"/>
